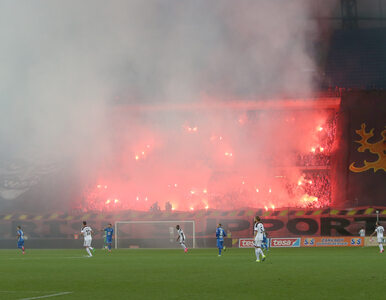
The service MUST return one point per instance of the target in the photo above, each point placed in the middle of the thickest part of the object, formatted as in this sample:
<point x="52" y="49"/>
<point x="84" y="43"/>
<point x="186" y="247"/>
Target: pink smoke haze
<point x="214" y="159"/>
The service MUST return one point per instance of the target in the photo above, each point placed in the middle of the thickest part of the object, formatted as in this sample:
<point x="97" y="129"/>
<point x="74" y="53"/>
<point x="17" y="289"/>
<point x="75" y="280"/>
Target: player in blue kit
<point x="109" y="233"/>
<point x="220" y="234"/>
<point x="265" y="243"/>
<point x="20" y="239"/>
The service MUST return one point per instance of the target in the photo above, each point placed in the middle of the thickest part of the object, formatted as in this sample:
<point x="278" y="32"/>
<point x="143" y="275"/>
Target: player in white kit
<point x="87" y="234"/>
<point x="379" y="231"/>
<point x="259" y="236"/>
<point x="181" y="238"/>
<point x="362" y="232"/>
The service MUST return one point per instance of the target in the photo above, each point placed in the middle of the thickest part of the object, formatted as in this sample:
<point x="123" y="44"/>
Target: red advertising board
<point x="246" y="243"/>
<point x="343" y="241"/>
<point x="285" y="242"/>
<point x="273" y="242"/>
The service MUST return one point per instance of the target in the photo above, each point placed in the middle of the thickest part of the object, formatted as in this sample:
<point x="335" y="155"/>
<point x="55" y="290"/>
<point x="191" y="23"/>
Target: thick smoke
<point x="67" y="67"/>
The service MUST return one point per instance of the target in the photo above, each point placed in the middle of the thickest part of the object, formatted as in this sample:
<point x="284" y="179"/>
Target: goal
<point x="153" y="234"/>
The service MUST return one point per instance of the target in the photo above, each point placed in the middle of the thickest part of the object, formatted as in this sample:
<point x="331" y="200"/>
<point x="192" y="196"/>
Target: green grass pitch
<point x="295" y="273"/>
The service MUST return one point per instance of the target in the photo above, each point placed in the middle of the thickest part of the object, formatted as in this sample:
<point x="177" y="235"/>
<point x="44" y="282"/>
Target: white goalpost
<point x="153" y="234"/>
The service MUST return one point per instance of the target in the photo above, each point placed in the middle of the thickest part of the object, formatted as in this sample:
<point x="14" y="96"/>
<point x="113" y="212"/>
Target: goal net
<point x="153" y="234"/>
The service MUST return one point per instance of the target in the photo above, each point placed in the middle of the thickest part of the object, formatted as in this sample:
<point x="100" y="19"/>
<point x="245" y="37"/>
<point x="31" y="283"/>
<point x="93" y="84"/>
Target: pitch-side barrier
<point x="307" y="242"/>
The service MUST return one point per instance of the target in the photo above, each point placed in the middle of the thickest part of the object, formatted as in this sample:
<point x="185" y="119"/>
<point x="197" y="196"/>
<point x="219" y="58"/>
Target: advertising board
<point x="343" y="241"/>
<point x="285" y="242"/>
<point x="246" y="243"/>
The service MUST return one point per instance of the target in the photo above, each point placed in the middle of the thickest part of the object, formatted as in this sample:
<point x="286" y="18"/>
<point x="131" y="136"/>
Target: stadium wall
<point x="359" y="172"/>
<point x="62" y="230"/>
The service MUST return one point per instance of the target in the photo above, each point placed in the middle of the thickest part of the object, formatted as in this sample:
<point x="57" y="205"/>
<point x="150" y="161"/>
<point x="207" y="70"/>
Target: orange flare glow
<point x="308" y="199"/>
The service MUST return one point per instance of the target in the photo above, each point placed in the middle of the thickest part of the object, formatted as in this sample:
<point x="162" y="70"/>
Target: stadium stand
<point x="357" y="59"/>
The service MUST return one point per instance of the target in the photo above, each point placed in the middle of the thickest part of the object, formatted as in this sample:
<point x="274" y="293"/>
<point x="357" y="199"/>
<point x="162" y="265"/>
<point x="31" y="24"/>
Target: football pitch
<point x="291" y="273"/>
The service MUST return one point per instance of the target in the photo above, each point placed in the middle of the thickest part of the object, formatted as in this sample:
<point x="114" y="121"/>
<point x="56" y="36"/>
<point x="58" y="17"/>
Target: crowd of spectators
<point x="313" y="189"/>
<point x="320" y="155"/>
<point x="316" y="184"/>
<point x="312" y="159"/>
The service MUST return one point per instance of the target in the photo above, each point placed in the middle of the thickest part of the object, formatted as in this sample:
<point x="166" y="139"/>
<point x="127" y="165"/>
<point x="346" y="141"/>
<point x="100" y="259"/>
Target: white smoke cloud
<point x="65" y="64"/>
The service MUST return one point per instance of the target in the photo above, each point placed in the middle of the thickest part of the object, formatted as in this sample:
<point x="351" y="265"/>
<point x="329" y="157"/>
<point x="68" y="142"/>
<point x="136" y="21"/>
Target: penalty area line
<point x="47" y="296"/>
<point x="46" y="258"/>
<point x="18" y="292"/>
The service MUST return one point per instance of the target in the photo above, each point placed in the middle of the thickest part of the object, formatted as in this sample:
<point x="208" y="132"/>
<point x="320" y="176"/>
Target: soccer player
<point x="181" y="237"/>
<point x="379" y="231"/>
<point x="87" y="234"/>
<point x="259" y="235"/>
<point x="362" y="232"/>
<point x="220" y="234"/>
<point x="20" y="239"/>
<point x="104" y="240"/>
<point x="109" y="233"/>
<point x="264" y="244"/>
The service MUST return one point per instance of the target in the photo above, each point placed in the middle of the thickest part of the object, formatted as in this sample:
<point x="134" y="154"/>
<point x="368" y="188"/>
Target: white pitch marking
<point x="27" y="292"/>
<point x="37" y="258"/>
<point x="47" y="296"/>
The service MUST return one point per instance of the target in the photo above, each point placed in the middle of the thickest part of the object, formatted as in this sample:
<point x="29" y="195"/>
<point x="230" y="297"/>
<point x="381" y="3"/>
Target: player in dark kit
<point x="20" y="239"/>
<point x="109" y="233"/>
<point x="220" y="234"/>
